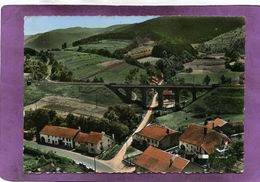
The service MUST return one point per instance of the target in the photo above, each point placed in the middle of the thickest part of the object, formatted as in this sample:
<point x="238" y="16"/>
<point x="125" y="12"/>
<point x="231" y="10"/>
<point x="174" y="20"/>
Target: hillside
<point x="55" y="38"/>
<point x="219" y="43"/>
<point x="177" y="29"/>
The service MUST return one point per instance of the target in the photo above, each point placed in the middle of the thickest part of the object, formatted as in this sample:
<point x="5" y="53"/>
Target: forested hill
<point x="177" y="29"/>
<point x="55" y="38"/>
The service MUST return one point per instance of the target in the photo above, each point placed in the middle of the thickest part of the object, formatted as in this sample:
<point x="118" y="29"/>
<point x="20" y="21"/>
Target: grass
<point x="103" y="95"/>
<point x="118" y="73"/>
<point x="100" y="94"/>
<point x="226" y="103"/>
<point x="81" y="64"/>
<point x="219" y="101"/>
<point x="193" y="168"/>
<point x="37" y="161"/>
<point x="111" y="152"/>
<point x="197" y="78"/>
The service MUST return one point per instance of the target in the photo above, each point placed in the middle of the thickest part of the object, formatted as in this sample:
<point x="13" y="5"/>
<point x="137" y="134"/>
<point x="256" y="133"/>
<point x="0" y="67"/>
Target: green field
<point x="227" y="103"/>
<point x="81" y="64"/>
<point x="87" y="94"/>
<point x="197" y="78"/>
<point x="118" y="73"/>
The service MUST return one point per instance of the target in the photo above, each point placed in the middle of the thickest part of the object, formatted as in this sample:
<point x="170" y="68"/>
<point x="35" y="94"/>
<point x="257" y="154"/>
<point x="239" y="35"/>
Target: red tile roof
<point x="194" y="134"/>
<point x="214" y="123"/>
<point x="156" y="160"/>
<point x="92" y="137"/>
<point x="155" y="132"/>
<point x="59" y="131"/>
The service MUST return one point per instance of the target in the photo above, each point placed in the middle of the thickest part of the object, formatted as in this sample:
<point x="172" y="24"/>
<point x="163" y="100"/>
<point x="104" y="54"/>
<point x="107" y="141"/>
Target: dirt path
<point x="117" y="161"/>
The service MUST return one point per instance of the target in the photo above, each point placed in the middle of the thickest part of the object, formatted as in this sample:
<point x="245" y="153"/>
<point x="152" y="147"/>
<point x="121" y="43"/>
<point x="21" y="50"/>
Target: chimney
<point x="205" y="130"/>
<point x="79" y="129"/>
<point x="167" y="131"/>
<point x="205" y="122"/>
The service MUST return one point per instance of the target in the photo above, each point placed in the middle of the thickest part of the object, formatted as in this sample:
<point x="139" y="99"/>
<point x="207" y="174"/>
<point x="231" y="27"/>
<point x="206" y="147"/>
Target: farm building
<point x="200" y="141"/>
<point x="60" y="136"/>
<point x="157" y="136"/>
<point x="156" y="160"/>
<point x="93" y="142"/>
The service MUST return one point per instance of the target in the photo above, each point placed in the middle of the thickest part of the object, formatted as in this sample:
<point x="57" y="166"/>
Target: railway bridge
<point x="176" y="89"/>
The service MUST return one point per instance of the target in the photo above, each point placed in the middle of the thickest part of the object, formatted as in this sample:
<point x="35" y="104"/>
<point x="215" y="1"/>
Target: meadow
<point x="227" y="103"/>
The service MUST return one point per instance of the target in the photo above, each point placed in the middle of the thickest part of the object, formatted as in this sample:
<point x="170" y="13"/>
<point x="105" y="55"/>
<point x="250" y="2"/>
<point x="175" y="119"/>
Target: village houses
<point x="156" y="160"/>
<point x="157" y="136"/>
<point x="92" y="142"/>
<point x="201" y="141"/>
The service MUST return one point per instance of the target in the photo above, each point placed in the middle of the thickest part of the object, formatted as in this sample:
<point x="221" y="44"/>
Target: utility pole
<point x="95" y="167"/>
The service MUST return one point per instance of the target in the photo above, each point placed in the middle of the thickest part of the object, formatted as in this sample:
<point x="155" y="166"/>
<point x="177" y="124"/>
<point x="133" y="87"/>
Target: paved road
<point x="78" y="158"/>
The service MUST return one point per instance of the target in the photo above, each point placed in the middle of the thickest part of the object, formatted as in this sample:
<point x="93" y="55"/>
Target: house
<point x="93" y="142"/>
<point x="201" y="141"/>
<point x="156" y="160"/>
<point x="57" y="135"/>
<point x="157" y="136"/>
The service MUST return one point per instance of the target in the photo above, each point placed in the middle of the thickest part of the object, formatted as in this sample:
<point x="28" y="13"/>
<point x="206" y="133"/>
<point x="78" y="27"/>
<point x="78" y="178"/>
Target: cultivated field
<point x="81" y="64"/>
<point x="117" y="73"/>
<point x="65" y="105"/>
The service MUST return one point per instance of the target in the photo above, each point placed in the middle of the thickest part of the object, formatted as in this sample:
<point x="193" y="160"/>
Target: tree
<point x="238" y="149"/>
<point x="206" y="80"/>
<point x="64" y="45"/>
<point x="223" y="79"/>
<point x="223" y="163"/>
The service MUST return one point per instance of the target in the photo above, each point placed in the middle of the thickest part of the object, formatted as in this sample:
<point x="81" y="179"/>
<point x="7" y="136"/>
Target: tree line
<point x="118" y="121"/>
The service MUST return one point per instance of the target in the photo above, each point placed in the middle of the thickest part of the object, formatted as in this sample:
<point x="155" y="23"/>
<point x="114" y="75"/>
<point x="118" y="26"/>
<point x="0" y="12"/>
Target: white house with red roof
<point x="157" y="136"/>
<point x="57" y="135"/>
<point x="93" y="142"/>
<point x="201" y="141"/>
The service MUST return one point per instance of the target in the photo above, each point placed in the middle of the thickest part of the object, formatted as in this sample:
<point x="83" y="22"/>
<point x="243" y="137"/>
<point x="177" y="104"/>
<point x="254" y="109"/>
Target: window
<point x="92" y="145"/>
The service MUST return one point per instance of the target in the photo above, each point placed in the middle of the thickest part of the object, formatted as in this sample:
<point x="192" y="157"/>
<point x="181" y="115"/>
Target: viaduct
<point x="176" y="89"/>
